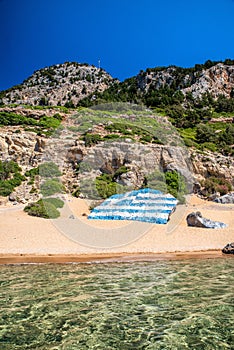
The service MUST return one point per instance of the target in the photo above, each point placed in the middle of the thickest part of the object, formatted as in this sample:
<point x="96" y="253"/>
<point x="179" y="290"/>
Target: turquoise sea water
<point x="140" y="305"/>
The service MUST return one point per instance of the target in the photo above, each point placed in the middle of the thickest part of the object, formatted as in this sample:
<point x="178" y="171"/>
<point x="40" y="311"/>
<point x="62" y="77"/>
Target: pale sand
<point x="25" y="235"/>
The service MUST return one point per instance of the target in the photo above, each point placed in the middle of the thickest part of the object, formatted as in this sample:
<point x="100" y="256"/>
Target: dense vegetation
<point x="187" y="114"/>
<point x="213" y="185"/>
<point x="121" y="121"/>
<point x="50" y="185"/>
<point x="44" y="124"/>
<point x="45" y="208"/>
<point x="10" y="177"/>
<point x="169" y="182"/>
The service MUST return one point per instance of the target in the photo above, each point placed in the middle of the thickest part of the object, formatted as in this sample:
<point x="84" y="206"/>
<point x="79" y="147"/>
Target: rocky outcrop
<point x="141" y="160"/>
<point x="228" y="249"/>
<point x="196" y="220"/>
<point x="208" y="164"/>
<point x="218" y="80"/>
<point x="58" y="85"/>
<point x="20" y="146"/>
<point x="226" y="199"/>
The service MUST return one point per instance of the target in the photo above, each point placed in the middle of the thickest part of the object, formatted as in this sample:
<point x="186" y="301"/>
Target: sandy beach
<point x="29" y="239"/>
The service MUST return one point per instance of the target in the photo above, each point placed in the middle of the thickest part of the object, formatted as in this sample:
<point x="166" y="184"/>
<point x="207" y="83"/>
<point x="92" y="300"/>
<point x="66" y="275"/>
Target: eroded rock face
<point x="228" y="249"/>
<point x="140" y="159"/>
<point x="70" y="153"/>
<point x="208" y="164"/>
<point x="20" y="146"/>
<point x="218" y="80"/>
<point x="196" y="220"/>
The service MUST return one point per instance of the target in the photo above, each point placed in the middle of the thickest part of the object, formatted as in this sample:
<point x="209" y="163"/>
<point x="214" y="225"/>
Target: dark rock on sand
<point x="196" y="220"/>
<point x="228" y="249"/>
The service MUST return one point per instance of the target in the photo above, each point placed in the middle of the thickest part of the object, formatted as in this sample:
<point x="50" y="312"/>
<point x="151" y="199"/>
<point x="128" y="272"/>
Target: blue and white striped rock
<point x="145" y="205"/>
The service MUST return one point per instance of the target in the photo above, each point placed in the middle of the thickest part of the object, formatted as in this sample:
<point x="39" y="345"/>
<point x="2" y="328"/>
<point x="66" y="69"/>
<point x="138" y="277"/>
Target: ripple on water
<point x="155" y="305"/>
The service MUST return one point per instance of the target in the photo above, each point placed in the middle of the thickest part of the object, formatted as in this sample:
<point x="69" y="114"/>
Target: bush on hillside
<point x="49" y="169"/>
<point x="176" y="185"/>
<point x="10" y="177"/>
<point x="43" y="209"/>
<point x="57" y="202"/>
<point x="105" y="186"/>
<point x="215" y="184"/>
<point x="50" y="187"/>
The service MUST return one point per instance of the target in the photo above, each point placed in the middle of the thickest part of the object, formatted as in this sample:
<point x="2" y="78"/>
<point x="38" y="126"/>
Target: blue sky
<point x="127" y="35"/>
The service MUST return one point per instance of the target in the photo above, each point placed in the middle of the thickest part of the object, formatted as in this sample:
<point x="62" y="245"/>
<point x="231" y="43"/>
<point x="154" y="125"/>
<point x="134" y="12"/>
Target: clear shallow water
<point x="154" y="305"/>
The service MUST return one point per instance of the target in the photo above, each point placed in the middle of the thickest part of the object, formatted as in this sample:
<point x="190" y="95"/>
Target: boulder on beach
<point x="196" y="220"/>
<point x="226" y="199"/>
<point x="228" y="249"/>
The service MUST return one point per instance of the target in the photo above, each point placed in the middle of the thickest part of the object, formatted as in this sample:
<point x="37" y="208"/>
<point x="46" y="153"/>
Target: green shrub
<point x="57" y="202"/>
<point x="121" y="170"/>
<point x="91" y="139"/>
<point x="105" y="186"/>
<point x="49" y="169"/>
<point x="111" y="137"/>
<point x="76" y="193"/>
<point x="5" y="188"/>
<point x="88" y="188"/>
<point x="10" y="177"/>
<point x="32" y="172"/>
<point x="176" y="184"/>
<point x="156" y="180"/>
<point x="44" y="122"/>
<point x="16" y="180"/>
<point x="8" y="168"/>
<point x="42" y="209"/>
<point x="210" y="146"/>
<point x="146" y="139"/>
<point x="50" y="187"/>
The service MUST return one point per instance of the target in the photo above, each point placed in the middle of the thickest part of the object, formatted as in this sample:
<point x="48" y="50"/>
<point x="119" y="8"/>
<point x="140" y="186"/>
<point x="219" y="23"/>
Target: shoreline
<point x="27" y="239"/>
<point x="12" y="259"/>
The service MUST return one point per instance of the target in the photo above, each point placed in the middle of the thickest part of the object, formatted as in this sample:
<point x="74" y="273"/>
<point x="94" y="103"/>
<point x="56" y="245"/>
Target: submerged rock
<point x="226" y="199"/>
<point x="228" y="249"/>
<point x="196" y="220"/>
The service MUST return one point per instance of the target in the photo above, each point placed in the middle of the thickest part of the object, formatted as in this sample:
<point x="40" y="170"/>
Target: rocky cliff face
<point x="59" y="85"/>
<point x="29" y="150"/>
<point x="217" y="80"/>
<point x="208" y="164"/>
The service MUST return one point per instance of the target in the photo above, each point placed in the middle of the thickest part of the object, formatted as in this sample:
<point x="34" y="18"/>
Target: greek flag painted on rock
<point x="145" y="205"/>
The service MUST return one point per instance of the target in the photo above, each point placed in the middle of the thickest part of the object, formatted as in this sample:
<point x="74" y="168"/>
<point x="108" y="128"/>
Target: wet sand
<point x="108" y="258"/>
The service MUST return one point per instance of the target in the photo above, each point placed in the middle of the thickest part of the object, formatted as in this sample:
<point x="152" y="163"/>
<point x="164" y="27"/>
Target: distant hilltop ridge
<point x="72" y="84"/>
<point x="61" y="84"/>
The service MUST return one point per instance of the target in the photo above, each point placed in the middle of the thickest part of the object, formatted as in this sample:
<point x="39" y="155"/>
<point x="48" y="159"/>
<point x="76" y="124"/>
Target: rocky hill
<point x="62" y="84"/>
<point x="189" y="131"/>
<point x="217" y="80"/>
<point x="166" y="86"/>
